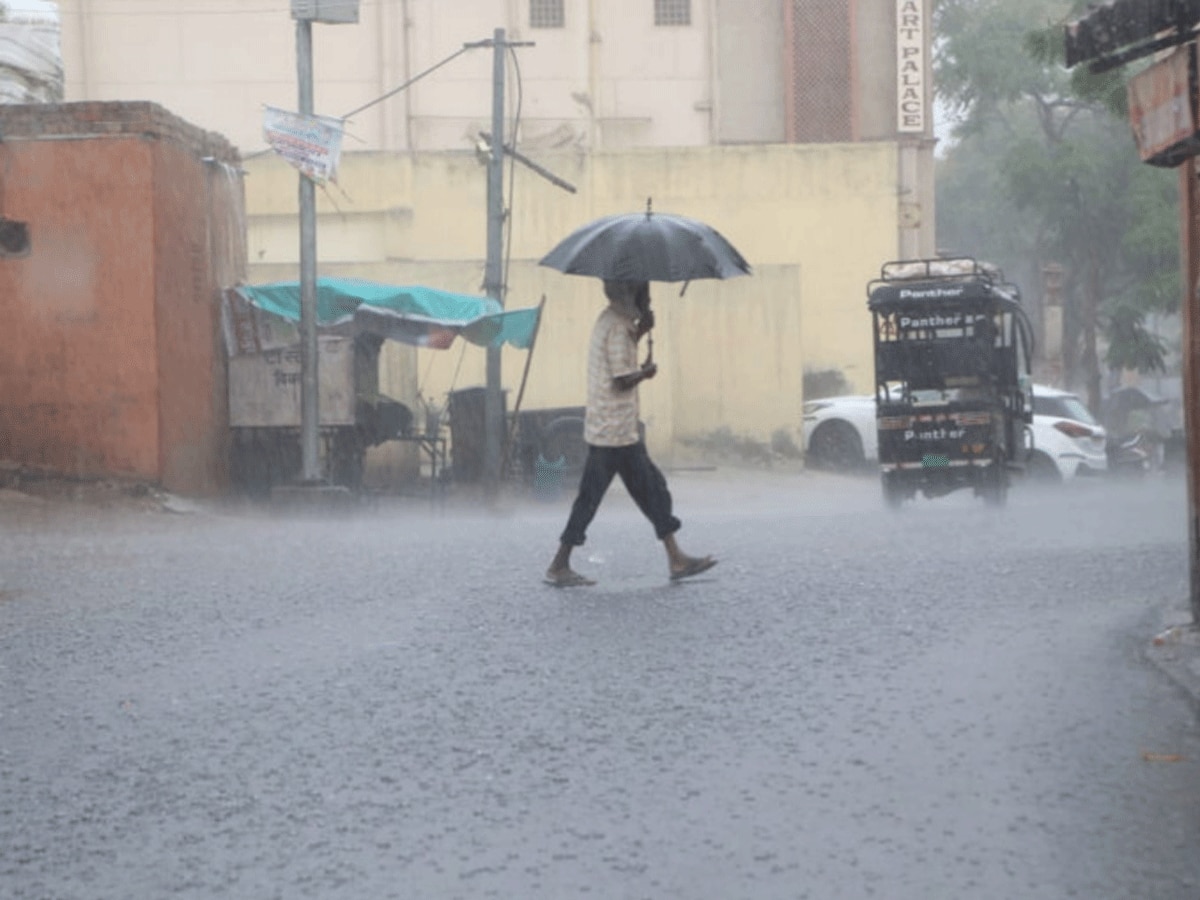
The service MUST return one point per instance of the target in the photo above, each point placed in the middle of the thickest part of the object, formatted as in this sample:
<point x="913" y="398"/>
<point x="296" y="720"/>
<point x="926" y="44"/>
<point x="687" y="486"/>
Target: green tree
<point x="1043" y="169"/>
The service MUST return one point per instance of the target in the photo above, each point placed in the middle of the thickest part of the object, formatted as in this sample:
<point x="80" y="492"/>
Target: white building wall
<point x="609" y="79"/>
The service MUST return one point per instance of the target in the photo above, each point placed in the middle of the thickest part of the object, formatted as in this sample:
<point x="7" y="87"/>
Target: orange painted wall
<point x="110" y="362"/>
<point x="78" y="368"/>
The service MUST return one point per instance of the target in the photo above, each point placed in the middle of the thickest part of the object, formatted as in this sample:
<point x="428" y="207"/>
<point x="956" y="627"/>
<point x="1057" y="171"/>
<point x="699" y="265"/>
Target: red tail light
<point x="1074" y="430"/>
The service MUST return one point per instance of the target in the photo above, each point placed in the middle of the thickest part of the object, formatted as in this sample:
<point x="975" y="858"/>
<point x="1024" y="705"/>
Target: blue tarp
<point x="412" y="314"/>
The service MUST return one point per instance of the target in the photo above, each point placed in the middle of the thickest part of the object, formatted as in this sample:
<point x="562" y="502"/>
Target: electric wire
<point x="508" y="221"/>
<point x="455" y="55"/>
<point x="380" y="99"/>
<point x="512" y="180"/>
<point x="255" y="10"/>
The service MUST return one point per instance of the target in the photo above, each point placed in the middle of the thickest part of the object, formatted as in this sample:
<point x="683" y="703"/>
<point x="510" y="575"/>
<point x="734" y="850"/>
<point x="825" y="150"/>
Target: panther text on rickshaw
<point x="953" y="397"/>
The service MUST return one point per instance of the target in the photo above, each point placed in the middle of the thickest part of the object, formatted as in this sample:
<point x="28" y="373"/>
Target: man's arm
<point x="622" y="353"/>
<point x="633" y="379"/>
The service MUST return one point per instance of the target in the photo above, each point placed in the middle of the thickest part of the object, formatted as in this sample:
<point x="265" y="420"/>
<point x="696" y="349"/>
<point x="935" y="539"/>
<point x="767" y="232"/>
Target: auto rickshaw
<point x="953" y="390"/>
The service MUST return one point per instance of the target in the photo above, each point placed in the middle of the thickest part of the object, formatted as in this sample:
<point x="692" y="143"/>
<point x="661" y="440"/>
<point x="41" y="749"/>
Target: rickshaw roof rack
<point x="956" y="267"/>
<point x="952" y="280"/>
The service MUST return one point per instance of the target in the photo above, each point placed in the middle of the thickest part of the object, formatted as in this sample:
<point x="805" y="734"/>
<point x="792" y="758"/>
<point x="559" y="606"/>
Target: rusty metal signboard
<point x="264" y="388"/>
<point x="1162" y="109"/>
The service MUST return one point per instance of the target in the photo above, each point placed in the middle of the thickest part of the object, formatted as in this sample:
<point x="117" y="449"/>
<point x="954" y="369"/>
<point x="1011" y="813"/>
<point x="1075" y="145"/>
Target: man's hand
<point x="645" y="322"/>
<point x="633" y="379"/>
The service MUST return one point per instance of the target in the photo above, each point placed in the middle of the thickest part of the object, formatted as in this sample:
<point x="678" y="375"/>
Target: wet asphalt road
<point x="951" y="702"/>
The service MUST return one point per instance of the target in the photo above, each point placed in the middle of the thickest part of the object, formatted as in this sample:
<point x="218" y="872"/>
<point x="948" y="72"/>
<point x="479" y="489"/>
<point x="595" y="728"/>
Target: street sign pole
<point x="309" y="407"/>
<point x="305" y="12"/>
<point x="1107" y="42"/>
<point x="1190" y="226"/>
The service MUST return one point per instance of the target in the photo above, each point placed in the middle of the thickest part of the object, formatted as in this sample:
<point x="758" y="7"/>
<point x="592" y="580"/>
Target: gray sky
<point x="32" y="6"/>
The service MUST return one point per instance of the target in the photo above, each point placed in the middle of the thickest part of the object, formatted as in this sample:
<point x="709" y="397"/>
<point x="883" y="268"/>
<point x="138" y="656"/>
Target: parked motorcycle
<point x="1138" y="426"/>
<point x="1133" y="455"/>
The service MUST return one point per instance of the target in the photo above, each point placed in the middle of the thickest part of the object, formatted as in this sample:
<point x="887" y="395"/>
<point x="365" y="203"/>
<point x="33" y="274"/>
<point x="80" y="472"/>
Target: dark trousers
<point x="643" y="480"/>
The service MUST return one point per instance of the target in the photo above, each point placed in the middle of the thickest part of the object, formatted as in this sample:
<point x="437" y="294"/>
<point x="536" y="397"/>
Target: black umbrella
<point x="647" y="246"/>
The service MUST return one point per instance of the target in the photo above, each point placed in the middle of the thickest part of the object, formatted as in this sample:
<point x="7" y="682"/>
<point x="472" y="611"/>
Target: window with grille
<point x="672" y="12"/>
<point x="545" y="13"/>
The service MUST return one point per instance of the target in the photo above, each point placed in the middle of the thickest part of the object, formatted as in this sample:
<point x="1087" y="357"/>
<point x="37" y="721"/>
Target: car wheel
<point x="835" y="445"/>
<point x="1040" y="469"/>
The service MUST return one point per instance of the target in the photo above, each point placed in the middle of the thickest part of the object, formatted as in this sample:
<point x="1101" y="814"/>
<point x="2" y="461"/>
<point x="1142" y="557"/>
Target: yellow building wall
<point x="815" y="223"/>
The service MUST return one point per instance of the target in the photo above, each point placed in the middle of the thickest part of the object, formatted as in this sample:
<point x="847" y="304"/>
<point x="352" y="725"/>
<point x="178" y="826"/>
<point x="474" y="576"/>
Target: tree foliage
<point x="1043" y="169"/>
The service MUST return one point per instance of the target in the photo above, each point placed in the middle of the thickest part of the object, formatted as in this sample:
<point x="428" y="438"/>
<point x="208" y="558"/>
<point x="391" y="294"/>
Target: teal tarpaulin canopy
<point x="412" y="314"/>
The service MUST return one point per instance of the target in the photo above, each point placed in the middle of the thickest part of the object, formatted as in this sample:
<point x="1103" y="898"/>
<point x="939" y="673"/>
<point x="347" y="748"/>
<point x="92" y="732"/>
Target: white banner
<point x="312" y="144"/>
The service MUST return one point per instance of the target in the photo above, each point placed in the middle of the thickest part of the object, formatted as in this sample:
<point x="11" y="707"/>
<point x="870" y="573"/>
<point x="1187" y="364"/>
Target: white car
<point x="839" y="434"/>
<point x="1067" y="440"/>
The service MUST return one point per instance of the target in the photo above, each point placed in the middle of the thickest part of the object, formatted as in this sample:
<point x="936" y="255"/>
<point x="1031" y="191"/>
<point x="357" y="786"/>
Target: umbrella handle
<point x="649" y="347"/>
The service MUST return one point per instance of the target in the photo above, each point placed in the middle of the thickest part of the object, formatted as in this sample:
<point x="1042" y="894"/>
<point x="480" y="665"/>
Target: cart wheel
<point x="346" y="464"/>
<point x="249" y="468"/>
<point x="262" y="458"/>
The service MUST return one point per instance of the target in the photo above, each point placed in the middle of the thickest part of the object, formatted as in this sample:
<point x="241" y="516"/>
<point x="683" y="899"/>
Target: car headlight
<point x="1074" y="429"/>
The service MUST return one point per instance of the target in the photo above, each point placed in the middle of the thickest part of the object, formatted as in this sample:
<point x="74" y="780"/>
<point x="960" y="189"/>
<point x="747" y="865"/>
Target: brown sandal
<point x="694" y="567"/>
<point x="568" y="578"/>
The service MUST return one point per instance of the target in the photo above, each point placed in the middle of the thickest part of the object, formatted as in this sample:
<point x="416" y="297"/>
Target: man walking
<point x="614" y="444"/>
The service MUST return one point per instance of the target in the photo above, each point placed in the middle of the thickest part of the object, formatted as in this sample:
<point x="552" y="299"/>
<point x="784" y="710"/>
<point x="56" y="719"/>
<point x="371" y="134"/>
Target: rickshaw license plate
<point x="935" y="461"/>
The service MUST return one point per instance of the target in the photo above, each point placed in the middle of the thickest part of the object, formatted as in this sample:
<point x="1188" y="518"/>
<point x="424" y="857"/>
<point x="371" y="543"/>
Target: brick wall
<point x="58" y="121"/>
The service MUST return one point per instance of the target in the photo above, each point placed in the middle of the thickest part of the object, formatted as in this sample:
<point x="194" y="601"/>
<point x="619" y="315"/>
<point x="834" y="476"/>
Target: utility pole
<point x="493" y="278"/>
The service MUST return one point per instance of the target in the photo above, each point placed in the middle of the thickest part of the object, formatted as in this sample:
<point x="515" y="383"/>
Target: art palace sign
<point x="910" y="66"/>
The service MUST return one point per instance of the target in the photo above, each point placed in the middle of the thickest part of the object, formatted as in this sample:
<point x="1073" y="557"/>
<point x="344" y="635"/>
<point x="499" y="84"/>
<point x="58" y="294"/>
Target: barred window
<point x="546" y="13"/>
<point x="672" y="12"/>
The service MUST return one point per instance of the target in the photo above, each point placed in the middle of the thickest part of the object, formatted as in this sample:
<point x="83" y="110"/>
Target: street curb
<point x="1175" y="650"/>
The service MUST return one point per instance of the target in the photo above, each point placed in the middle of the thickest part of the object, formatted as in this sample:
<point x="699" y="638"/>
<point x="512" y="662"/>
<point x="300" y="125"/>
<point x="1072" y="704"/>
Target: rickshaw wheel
<point x="893" y="491"/>
<point x="995" y="486"/>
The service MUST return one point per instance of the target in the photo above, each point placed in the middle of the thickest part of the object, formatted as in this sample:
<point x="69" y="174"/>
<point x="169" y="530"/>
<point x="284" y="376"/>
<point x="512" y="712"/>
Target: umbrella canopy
<point x="647" y="246"/>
